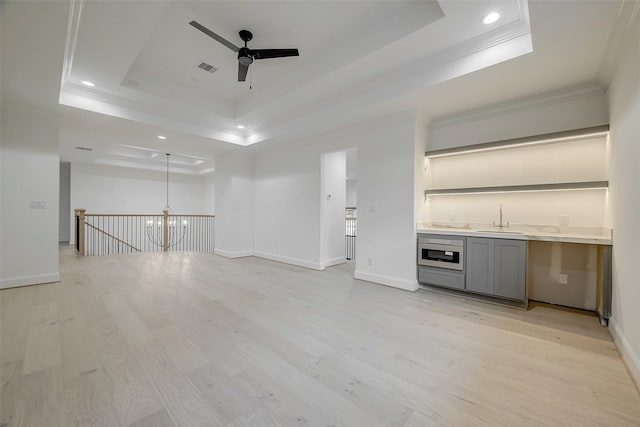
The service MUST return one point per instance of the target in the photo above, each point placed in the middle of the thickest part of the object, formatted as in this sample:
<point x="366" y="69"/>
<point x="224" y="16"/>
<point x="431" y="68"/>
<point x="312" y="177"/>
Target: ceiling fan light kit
<point x="246" y="56"/>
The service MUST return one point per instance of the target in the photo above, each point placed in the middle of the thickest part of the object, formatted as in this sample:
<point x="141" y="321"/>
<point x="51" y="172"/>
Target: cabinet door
<point x="480" y="264"/>
<point x="510" y="269"/>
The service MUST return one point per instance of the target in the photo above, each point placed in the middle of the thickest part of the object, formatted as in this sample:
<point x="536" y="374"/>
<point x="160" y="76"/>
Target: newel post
<point x="165" y="230"/>
<point x="80" y="231"/>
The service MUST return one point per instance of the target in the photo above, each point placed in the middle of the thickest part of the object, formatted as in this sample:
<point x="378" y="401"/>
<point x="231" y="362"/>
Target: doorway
<point x="338" y="193"/>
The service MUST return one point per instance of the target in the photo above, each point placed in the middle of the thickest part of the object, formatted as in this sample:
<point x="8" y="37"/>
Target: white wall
<point x="352" y="193"/>
<point x="64" y="226"/>
<point x="333" y="194"/>
<point x="234" y="194"/>
<point x="30" y="163"/>
<point x="30" y="166"/>
<point x="352" y="177"/>
<point x="566" y="110"/>
<point x="112" y="189"/>
<point x="624" y="104"/>
<point x="287" y="201"/>
<point x="210" y="194"/>
<point x="287" y="206"/>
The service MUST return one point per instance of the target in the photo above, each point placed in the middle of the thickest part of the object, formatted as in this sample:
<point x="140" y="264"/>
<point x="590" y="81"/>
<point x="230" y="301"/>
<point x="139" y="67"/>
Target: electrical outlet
<point x="37" y="204"/>
<point x="563" y="279"/>
<point x="370" y="260"/>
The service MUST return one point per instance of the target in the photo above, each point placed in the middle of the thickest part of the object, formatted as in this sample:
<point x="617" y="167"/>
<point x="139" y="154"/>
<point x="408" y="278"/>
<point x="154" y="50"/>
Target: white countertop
<point x="546" y="233"/>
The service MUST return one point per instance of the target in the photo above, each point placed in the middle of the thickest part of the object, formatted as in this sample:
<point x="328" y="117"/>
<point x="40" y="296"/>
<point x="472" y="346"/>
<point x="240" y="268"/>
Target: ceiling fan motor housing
<point x="244" y="56"/>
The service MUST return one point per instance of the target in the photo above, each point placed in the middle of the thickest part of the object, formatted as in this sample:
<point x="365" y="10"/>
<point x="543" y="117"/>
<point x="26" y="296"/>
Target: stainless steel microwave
<point x="441" y="252"/>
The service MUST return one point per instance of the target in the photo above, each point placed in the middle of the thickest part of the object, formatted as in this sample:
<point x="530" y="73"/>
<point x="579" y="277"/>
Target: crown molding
<point x="73" y="26"/>
<point x="519" y="105"/>
<point x="626" y="21"/>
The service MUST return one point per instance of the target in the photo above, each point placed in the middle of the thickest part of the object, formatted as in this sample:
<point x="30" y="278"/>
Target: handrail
<point x="155" y="214"/>
<point x="112" y="236"/>
<point x="100" y="233"/>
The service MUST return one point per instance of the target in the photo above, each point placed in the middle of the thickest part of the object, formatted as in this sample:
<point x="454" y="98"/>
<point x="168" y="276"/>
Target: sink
<point x="499" y="231"/>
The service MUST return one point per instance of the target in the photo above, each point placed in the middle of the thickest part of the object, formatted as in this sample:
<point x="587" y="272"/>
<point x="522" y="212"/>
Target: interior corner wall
<point x="210" y="194"/>
<point x="64" y="226"/>
<point x="287" y="201"/>
<point x="420" y="146"/>
<point x="30" y="166"/>
<point x="234" y="194"/>
<point x="334" y="201"/>
<point x="624" y="106"/>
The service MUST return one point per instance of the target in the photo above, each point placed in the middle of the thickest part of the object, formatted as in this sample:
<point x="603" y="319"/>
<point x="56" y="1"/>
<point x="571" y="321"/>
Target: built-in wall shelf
<point x="549" y="138"/>
<point x="588" y="185"/>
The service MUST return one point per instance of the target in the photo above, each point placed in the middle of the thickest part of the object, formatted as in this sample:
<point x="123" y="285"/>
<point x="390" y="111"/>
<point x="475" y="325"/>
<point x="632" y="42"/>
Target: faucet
<point x="501" y="225"/>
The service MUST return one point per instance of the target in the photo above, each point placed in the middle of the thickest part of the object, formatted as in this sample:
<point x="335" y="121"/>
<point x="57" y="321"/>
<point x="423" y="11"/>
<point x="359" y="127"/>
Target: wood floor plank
<point x="78" y="349"/>
<point x="10" y="374"/>
<point x="133" y="395"/>
<point x="89" y="400"/>
<point x="180" y="397"/>
<point x="130" y="326"/>
<point x="157" y="419"/>
<point x="16" y="321"/>
<point x="224" y="392"/>
<point x="43" y="344"/>
<point x="171" y="339"/>
<point x="179" y="349"/>
<point x="41" y="399"/>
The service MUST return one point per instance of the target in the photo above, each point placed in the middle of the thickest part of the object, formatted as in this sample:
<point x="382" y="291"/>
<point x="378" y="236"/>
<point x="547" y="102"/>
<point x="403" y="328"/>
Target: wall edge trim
<point x="628" y="355"/>
<point x="232" y="254"/>
<point x="287" y="260"/>
<point x="394" y="282"/>
<point x="334" y="261"/>
<point x="36" y="279"/>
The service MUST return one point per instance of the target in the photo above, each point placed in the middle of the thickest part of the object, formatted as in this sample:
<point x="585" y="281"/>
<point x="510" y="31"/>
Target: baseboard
<point x="36" y="279"/>
<point x="293" y="261"/>
<point x="335" y="261"/>
<point x="230" y="254"/>
<point x="395" y="282"/>
<point x="629" y="357"/>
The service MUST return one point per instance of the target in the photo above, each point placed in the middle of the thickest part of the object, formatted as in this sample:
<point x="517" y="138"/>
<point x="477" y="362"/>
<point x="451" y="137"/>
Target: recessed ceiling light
<point x="162" y="137"/>
<point x="491" y="18"/>
<point x="240" y="127"/>
<point x="88" y="83"/>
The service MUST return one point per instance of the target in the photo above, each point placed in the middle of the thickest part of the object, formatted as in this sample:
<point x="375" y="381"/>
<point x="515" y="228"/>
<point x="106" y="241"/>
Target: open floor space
<point x="186" y="339"/>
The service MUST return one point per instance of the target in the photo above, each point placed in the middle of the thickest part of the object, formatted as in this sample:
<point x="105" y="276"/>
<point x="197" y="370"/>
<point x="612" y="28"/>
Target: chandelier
<point x="167" y="232"/>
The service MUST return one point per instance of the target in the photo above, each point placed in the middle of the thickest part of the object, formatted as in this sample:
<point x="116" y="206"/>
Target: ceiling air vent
<point x="84" y="148"/>
<point x="207" y="67"/>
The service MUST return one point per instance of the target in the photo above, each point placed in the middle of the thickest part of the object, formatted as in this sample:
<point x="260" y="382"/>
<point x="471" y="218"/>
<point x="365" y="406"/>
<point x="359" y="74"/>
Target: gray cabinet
<point x="480" y="261"/>
<point x="439" y="277"/>
<point x="497" y="267"/>
<point x="510" y="269"/>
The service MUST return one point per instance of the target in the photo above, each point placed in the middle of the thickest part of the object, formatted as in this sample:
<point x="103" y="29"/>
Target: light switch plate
<point x="37" y="204"/>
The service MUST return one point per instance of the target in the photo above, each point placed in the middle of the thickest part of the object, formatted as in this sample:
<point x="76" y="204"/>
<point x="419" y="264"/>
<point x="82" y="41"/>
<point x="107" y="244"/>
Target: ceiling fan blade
<point x="272" y="53"/>
<point x="242" y="72"/>
<point x="214" y="36"/>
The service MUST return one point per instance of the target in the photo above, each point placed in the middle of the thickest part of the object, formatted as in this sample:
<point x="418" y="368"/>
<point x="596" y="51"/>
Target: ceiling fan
<point x="246" y="56"/>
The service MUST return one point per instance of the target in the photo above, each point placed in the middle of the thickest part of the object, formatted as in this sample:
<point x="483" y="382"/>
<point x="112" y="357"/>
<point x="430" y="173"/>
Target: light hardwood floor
<point x="199" y="340"/>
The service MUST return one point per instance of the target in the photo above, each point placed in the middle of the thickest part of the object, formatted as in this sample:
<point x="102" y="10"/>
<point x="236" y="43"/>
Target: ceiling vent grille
<point x="207" y="67"/>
